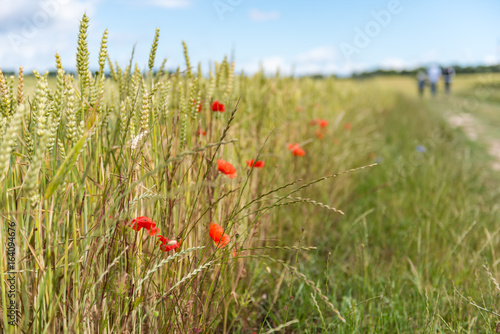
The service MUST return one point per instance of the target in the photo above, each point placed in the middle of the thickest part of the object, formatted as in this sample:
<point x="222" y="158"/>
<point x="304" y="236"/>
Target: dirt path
<point x="472" y="127"/>
<point x="474" y="108"/>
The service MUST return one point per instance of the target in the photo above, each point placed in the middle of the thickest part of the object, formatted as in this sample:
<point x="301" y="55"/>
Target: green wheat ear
<point x="57" y="107"/>
<point x="20" y="87"/>
<point x="82" y="56"/>
<point x="112" y="71"/>
<point x="9" y="140"/>
<point x="161" y="71"/>
<point x="188" y="63"/>
<point x="40" y="104"/>
<point x="4" y="96"/>
<point x="145" y="111"/>
<point x="154" y="47"/>
<point x="103" y="53"/>
<point x="230" y="79"/>
<point x="194" y="98"/>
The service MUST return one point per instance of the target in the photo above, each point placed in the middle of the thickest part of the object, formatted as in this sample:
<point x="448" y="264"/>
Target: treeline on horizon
<point x="413" y="72"/>
<point x="357" y="75"/>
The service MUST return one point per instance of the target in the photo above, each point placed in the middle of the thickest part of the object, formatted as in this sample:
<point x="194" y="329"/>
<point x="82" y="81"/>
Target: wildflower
<point x="201" y="132"/>
<point x="167" y="244"/>
<point x="226" y="168"/>
<point x="323" y="123"/>
<point x="217" y="106"/>
<point x="217" y="234"/>
<point x="153" y="231"/>
<point x="199" y="105"/>
<point x="255" y="164"/>
<point x="144" y="222"/>
<point x="348" y="126"/>
<point x="296" y="150"/>
<point x="421" y="149"/>
<point x="319" y="134"/>
<point x="223" y="241"/>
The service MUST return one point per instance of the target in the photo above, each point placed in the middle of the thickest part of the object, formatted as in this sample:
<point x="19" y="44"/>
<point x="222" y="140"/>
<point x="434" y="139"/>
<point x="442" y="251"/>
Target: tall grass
<point x="317" y="244"/>
<point x="87" y="156"/>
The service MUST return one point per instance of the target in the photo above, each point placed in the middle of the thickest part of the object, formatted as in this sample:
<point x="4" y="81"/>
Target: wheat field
<point x="137" y="200"/>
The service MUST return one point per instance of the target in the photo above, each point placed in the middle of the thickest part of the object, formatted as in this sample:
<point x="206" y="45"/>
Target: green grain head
<point x="82" y="56"/>
<point x="154" y="47"/>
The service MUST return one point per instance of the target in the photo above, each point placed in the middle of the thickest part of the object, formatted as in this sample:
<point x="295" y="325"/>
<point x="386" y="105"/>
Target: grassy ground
<point x="409" y="245"/>
<point x="479" y="96"/>
<point x="417" y="232"/>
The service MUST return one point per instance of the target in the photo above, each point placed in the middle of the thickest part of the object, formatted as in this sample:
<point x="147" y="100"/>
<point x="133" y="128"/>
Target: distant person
<point x="434" y="73"/>
<point x="448" y="74"/>
<point x="421" y="77"/>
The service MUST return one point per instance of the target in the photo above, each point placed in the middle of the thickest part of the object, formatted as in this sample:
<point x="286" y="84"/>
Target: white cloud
<point x="319" y="54"/>
<point x="327" y="60"/>
<point x="322" y="59"/>
<point x="257" y="15"/>
<point x="319" y="60"/>
<point x="268" y="64"/>
<point x="170" y="3"/>
<point x="395" y="64"/>
<point x="490" y="60"/>
<point x="272" y="64"/>
<point x="12" y="10"/>
<point x="350" y="67"/>
<point x="31" y="35"/>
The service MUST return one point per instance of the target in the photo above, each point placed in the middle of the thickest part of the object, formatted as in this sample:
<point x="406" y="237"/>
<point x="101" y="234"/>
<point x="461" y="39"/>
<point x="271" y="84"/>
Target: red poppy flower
<point x="163" y="240"/>
<point x="319" y="134"/>
<point x="217" y="234"/>
<point x="348" y="126"/>
<point x="323" y="123"/>
<point x="144" y="222"/>
<point x="153" y="231"/>
<point x="217" y="106"/>
<point x="223" y="241"/>
<point x="199" y="106"/>
<point x="296" y="150"/>
<point x="226" y="168"/>
<point x="202" y="132"/>
<point x="167" y="244"/>
<point x="255" y="164"/>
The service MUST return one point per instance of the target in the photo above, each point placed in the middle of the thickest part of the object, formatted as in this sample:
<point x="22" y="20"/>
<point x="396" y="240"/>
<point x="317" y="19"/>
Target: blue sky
<point x="301" y="36"/>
